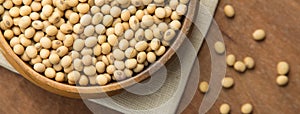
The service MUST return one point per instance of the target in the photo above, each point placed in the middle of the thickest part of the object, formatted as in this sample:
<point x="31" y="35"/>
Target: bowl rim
<point x="96" y="91"/>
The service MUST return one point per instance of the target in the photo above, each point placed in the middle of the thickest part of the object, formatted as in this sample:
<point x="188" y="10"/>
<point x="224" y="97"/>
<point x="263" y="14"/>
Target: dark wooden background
<point x="280" y="19"/>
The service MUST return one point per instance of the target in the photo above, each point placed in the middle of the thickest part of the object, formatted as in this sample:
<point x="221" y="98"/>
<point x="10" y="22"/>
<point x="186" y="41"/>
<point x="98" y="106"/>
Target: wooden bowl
<point x="96" y="91"/>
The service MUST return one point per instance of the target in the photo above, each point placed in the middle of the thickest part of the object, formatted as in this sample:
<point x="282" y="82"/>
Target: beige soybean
<point x="46" y="62"/>
<point x="157" y="33"/>
<point x="78" y="44"/>
<point x="155" y="44"/>
<point x="175" y="25"/>
<point x="31" y="51"/>
<point x="44" y="53"/>
<point x="66" y="28"/>
<point x="83" y="80"/>
<point x="100" y="29"/>
<point x="107" y="20"/>
<point x="86" y="51"/>
<point x="56" y="44"/>
<point x="141" y="46"/>
<point x="25" y="41"/>
<point x="37" y="25"/>
<point x="283" y="68"/>
<point x="50" y="73"/>
<point x="130" y="52"/>
<point x="85" y="20"/>
<point x="239" y="66"/>
<point x="139" y="35"/>
<point x="125" y="15"/>
<point x="134" y="23"/>
<point x="57" y="67"/>
<point x="77" y="63"/>
<point x="128" y="34"/>
<point x="14" y="12"/>
<point x="169" y="35"/>
<point x="131" y="63"/>
<point x="181" y="9"/>
<point x="69" y="40"/>
<point x="69" y="69"/>
<point x="105" y="9"/>
<point x="229" y="11"/>
<point x="119" y="30"/>
<point x="51" y="30"/>
<point x="141" y="57"/>
<point x="97" y="18"/>
<point x="161" y="50"/>
<point x="89" y="30"/>
<point x="219" y="47"/>
<point x="54" y="58"/>
<point x="106" y="48"/>
<point x="175" y="16"/>
<point x="8" y="21"/>
<point x="110" y="69"/>
<point x="230" y="60"/>
<point x="259" y="34"/>
<point x="91" y="41"/>
<point x="47" y="10"/>
<point x="87" y="60"/>
<point x="118" y="54"/>
<point x="112" y="40"/>
<point x="39" y="67"/>
<point x="101" y="80"/>
<point x="151" y="57"/>
<point x="110" y="31"/>
<point x="224" y="108"/>
<point x="95" y="9"/>
<point x="128" y="73"/>
<point x="160" y="12"/>
<point x="74" y="18"/>
<point x="24" y="57"/>
<point x="100" y="67"/>
<point x="18" y="49"/>
<point x="149" y="34"/>
<point x="83" y="8"/>
<point x="25" y="10"/>
<point x="249" y="62"/>
<point x="62" y="51"/>
<point x="89" y="70"/>
<point x="14" y="41"/>
<point x="139" y="68"/>
<point x="60" y="77"/>
<point x="34" y="16"/>
<point x="123" y="44"/>
<point x="282" y="80"/>
<point x="45" y="42"/>
<point x="227" y="82"/>
<point x="247" y="108"/>
<point x="16" y="30"/>
<point x="132" y="42"/>
<point x="151" y="8"/>
<point x="8" y="34"/>
<point x="119" y="75"/>
<point x="24" y="22"/>
<point x="73" y="76"/>
<point x="55" y="18"/>
<point x="66" y="61"/>
<point x="97" y="50"/>
<point x="203" y="86"/>
<point x="115" y="11"/>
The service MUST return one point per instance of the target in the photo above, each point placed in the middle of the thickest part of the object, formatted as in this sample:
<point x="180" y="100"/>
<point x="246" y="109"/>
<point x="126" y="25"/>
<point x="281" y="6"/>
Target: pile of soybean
<point x="90" y="42"/>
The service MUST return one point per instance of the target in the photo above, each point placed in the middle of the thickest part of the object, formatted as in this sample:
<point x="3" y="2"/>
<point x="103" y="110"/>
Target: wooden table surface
<point x="279" y="18"/>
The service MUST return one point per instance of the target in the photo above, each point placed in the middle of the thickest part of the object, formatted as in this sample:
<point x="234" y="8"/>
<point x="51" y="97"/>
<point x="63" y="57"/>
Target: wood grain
<point x="257" y="86"/>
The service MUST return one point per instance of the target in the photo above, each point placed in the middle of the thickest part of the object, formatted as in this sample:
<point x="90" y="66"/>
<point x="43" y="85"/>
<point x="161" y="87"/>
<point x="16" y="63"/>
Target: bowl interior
<point x="96" y="91"/>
